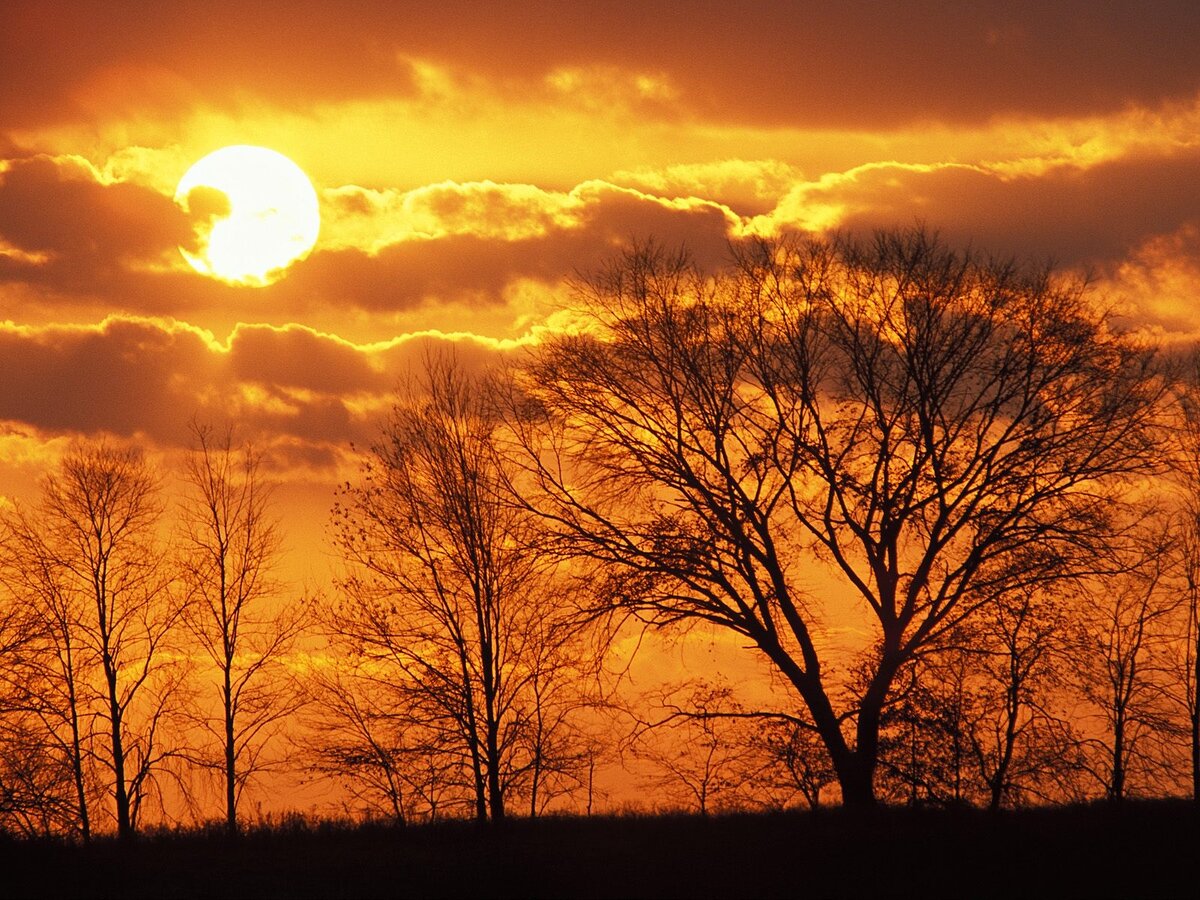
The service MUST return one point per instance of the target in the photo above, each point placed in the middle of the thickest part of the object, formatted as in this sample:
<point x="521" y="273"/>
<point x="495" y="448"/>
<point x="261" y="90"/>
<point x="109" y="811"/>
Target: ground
<point x="1143" y="850"/>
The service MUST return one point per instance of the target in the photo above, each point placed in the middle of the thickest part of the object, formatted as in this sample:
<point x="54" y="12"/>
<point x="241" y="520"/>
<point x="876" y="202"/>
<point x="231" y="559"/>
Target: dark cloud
<point x="126" y="377"/>
<point x="61" y="208"/>
<point x="295" y="357"/>
<point x="467" y="266"/>
<point x="1075" y="217"/>
<point x="853" y="64"/>
<point x="142" y="377"/>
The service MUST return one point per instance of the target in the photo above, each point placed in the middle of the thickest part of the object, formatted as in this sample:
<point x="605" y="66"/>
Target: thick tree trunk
<point x="856" y="777"/>
<point x="495" y="791"/>
<point x="854" y="768"/>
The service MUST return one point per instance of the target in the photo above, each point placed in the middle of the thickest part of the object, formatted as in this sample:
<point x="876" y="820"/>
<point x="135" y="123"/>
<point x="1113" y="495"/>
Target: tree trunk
<point x="533" y="790"/>
<point x="855" y="768"/>
<point x="481" y="812"/>
<point x="1116" y="789"/>
<point x="495" y="792"/>
<point x="85" y="825"/>
<point x="1196" y="756"/>
<point x="856" y="776"/>
<point x="1195" y="715"/>
<point x="124" y="823"/>
<point x="231" y="822"/>
<point x="1000" y="776"/>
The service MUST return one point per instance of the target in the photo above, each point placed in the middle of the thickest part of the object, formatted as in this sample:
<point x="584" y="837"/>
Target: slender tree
<point x="936" y="429"/>
<point x="1186" y="470"/>
<point x="1123" y="629"/>
<point x="231" y="542"/>
<point x="697" y="748"/>
<point x="992" y="704"/>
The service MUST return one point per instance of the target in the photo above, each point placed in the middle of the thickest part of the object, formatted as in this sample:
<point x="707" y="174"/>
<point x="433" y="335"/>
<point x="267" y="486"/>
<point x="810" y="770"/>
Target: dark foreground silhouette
<point x="1142" y="850"/>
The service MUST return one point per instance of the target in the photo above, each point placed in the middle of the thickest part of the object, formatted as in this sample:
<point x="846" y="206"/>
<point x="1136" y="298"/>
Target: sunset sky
<point x="470" y="158"/>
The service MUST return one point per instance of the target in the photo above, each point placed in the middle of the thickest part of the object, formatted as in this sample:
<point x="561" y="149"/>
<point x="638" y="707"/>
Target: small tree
<point x="1123" y="628"/>
<point x="449" y="603"/>
<point x="697" y="747"/>
<point x="989" y="705"/>
<point x="789" y="760"/>
<point x="36" y="790"/>
<point x="47" y="675"/>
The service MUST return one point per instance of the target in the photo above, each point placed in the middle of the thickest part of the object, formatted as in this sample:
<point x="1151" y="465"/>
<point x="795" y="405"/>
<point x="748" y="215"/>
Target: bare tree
<point x="231" y="541"/>
<point x="96" y="525"/>
<point x="47" y="679"/>
<point x="936" y="429"/>
<point x="1123" y="627"/>
<point x="449" y="602"/>
<point x="1186" y="650"/>
<point x="35" y="776"/>
<point x="697" y="748"/>
<point x="362" y="736"/>
<point x="795" y="762"/>
<point x="991" y="702"/>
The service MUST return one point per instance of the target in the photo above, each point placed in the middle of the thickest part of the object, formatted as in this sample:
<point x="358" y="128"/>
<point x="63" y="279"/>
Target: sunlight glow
<point x="256" y="214"/>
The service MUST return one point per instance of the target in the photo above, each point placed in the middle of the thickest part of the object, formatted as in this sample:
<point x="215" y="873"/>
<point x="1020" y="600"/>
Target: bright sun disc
<point x="271" y="220"/>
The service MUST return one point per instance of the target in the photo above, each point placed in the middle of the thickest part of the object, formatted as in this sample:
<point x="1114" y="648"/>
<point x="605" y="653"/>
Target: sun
<point x="257" y="213"/>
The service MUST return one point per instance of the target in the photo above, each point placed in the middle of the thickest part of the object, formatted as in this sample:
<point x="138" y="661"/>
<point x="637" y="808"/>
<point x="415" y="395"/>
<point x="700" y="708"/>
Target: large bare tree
<point x="931" y="429"/>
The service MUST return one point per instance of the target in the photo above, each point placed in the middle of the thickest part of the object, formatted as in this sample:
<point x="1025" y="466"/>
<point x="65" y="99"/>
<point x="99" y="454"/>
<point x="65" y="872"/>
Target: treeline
<point x="951" y="507"/>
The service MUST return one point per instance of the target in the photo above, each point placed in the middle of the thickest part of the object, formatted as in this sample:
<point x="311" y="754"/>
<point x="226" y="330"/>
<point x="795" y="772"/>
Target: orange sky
<point x="470" y="158"/>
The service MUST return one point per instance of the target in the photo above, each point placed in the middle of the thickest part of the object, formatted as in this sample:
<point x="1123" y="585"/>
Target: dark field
<point x="1141" y="850"/>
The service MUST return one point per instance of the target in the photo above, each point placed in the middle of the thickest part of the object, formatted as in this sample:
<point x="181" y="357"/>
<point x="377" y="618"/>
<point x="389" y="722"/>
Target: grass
<point x="1137" y="850"/>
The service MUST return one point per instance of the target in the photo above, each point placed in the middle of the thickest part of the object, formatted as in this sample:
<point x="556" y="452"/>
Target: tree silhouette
<point x="47" y="672"/>
<point x="449" y="609"/>
<point x="697" y="748"/>
<point x="230" y="542"/>
<point x="91" y="559"/>
<point x="938" y="429"/>
<point x="1123" y="626"/>
<point x="988" y="709"/>
<point x="1186" y="472"/>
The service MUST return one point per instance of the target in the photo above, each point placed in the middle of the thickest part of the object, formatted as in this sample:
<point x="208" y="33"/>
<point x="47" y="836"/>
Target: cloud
<point x="73" y="235"/>
<point x="471" y="242"/>
<point x="297" y="357"/>
<point x="751" y="187"/>
<point x="1075" y="216"/>
<point x="124" y="376"/>
<point x="847" y="64"/>
<point x="61" y="207"/>
<point x="148" y="377"/>
<point x="1157" y="286"/>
